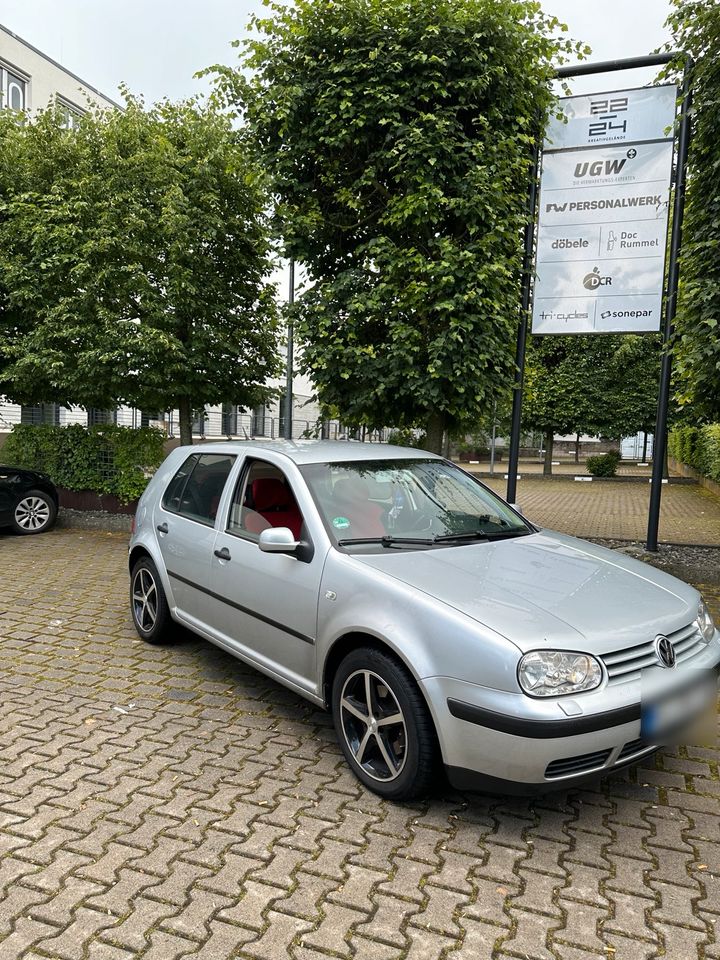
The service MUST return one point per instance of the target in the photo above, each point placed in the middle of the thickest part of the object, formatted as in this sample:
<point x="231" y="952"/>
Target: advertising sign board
<point x="602" y="224"/>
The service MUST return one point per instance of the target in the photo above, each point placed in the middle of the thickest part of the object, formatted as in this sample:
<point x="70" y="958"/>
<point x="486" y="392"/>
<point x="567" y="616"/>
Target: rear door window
<point x="195" y="490"/>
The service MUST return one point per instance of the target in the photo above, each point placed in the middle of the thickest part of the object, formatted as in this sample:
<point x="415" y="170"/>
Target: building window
<point x="229" y="419"/>
<point x="40" y="413"/>
<point x="13" y="90"/>
<point x="198" y="425"/>
<point x="100" y="417"/>
<point x="71" y="114"/>
<point x="258" y="422"/>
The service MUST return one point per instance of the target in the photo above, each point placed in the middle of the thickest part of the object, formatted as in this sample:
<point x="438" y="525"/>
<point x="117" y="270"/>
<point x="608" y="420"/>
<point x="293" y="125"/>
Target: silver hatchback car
<point x="436" y="623"/>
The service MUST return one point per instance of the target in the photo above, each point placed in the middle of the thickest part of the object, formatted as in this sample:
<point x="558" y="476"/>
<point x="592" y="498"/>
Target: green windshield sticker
<point x="341" y="523"/>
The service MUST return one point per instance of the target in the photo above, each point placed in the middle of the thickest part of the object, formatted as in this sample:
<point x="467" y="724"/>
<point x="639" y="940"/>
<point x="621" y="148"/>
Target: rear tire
<point x="148" y="603"/>
<point x="35" y="512"/>
<point x="383" y="725"/>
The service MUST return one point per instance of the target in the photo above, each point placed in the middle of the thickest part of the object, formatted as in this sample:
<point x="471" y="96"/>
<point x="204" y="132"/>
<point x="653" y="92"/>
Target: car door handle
<point x="223" y="554"/>
<point x="163" y="528"/>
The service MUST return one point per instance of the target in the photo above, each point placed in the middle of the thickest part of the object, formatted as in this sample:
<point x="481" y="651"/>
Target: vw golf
<point x="438" y="625"/>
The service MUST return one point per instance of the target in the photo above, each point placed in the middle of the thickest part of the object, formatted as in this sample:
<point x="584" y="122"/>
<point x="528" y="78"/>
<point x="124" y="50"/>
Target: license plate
<point x="672" y="713"/>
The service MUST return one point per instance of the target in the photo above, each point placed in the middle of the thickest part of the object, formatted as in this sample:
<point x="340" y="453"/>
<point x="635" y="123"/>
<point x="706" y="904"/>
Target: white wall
<point x="44" y="77"/>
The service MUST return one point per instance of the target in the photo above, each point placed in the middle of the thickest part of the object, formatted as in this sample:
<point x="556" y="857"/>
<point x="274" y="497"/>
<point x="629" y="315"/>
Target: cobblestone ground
<point x="689" y="513"/>
<point x="168" y="802"/>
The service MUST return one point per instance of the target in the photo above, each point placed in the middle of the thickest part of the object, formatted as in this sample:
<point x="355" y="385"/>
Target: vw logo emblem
<point x="665" y="651"/>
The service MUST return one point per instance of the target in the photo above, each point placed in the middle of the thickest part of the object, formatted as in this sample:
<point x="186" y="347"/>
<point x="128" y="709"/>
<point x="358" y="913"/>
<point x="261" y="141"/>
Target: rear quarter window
<point x="195" y="490"/>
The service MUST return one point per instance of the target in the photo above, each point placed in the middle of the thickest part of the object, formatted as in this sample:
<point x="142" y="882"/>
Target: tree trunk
<point x="645" y="446"/>
<point x="435" y="428"/>
<point x="185" y="411"/>
<point x="549" y="441"/>
<point x="577" y="448"/>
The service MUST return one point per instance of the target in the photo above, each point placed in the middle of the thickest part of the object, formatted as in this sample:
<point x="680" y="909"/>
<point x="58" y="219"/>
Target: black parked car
<point x="28" y="500"/>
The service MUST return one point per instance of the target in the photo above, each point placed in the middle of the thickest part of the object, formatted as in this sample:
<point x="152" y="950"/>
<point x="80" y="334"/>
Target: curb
<point x="93" y="520"/>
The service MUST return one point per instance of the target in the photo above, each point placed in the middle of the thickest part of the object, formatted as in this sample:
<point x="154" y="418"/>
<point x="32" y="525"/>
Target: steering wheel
<point x="421" y="522"/>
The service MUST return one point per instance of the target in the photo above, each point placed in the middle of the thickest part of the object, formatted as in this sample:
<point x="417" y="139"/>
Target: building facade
<point x="31" y="81"/>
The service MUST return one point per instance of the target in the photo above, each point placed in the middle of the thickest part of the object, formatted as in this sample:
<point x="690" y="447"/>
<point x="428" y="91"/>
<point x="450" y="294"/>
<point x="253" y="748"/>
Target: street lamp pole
<point x="290" y="358"/>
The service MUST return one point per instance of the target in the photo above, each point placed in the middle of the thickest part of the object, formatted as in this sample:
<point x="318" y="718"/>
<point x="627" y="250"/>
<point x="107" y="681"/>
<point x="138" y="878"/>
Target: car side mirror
<point x="278" y="540"/>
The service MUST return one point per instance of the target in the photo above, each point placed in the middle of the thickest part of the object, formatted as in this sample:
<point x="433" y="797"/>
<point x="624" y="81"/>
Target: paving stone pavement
<point x="167" y="802"/>
<point x="616" y="510"/>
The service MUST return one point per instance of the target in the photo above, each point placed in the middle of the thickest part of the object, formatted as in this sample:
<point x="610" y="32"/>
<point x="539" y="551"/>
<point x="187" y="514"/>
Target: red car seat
<point x="351" y="499"/>
<point x="275" y="504"/>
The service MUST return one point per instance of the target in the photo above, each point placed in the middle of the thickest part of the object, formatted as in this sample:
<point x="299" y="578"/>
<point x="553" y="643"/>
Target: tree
<point x="398" y="135"/>
<point x="626" y="387"/>
<point x="134" y="253"/>
<point x="602" y="385"/>
<point x="695" y="25"/>
<point x="556" y="390"/>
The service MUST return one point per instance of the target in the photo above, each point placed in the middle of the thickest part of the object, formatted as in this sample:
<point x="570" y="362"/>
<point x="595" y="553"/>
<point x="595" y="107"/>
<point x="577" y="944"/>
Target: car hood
<point x="548" y="590"/>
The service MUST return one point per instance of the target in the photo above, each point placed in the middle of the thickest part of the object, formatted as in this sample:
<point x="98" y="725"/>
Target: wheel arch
<point x="138" y="551"/>
<point x="353" y="640"/>
<point x="356" y="639"/>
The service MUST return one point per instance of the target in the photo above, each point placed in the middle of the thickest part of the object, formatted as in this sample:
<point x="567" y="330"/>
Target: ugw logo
<point x="600" y="168"/>
<point x="603" y="168"/>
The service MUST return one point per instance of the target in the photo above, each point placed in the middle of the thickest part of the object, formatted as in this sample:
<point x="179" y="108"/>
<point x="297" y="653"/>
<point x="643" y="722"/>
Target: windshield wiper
<point x="481" y="535"/>
<point x="385" y="541"/>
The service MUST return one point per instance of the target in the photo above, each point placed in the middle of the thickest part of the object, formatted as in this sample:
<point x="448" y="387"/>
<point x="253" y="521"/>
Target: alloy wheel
<point x="145" y="599"/>
<point x="373" y="725"/>
<point x="32" y="513"/>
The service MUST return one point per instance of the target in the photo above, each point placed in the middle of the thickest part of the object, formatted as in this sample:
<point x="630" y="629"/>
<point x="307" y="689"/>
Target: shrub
<point x="614" y="455"/>
<point x="698" y="447"/>
<point x="104" y="459"/>
<point x="407" y="437"/>
<point x="603" y="465"/>
<point x="682" y="445"/>
<point x="707" y="455"/>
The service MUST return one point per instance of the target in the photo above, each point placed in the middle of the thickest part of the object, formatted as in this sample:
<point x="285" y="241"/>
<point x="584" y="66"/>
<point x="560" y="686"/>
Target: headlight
<point x="553" y="673"/>
<point x="705" y="622"/>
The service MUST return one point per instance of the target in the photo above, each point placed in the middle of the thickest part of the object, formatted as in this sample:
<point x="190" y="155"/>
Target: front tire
<point x="383" y="725"/>
<point x="148" y="603"/>
<point x="35" y="512"/>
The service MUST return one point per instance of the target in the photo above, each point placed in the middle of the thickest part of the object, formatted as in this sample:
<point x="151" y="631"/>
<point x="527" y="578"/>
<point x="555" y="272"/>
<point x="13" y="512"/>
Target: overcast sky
<point x="155" y="46"/>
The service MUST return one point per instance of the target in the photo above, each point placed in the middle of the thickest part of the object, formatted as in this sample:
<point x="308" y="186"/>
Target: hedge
<point x="698" y="447"/>
<point x="105" y="459"/>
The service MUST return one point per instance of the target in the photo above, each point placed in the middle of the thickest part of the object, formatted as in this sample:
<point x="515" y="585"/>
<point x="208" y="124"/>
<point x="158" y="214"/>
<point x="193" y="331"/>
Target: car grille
<point x="584" y="763"/>
<point x="625" y="665"/>
<point x="634" y="748"/>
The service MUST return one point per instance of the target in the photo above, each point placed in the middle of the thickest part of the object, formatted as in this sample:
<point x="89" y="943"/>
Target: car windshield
<point x="407" y="502"/>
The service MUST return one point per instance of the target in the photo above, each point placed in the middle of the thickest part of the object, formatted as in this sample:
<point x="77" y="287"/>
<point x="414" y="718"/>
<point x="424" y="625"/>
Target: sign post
<point x="601" y="235"/>
<point x="602" y="225"/>
<point x="660" y="442"/>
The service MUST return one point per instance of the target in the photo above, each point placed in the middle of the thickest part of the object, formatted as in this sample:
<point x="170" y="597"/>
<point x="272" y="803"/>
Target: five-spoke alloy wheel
<point x="383" y="724"/>
<point x="373" y="725"/>
<point x="148" y="602"/>
<point x="35" y="512"/>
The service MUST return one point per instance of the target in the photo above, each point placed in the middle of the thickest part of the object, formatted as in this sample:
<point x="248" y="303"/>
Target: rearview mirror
<point x="278" y="540"/>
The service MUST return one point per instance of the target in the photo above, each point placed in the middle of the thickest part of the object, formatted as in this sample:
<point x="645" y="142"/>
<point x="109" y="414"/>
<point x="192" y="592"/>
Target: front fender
<point x="430" y="637"/>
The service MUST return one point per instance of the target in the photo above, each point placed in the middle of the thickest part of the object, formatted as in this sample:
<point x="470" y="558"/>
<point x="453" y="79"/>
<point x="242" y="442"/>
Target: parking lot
<point x="164" y="802"/>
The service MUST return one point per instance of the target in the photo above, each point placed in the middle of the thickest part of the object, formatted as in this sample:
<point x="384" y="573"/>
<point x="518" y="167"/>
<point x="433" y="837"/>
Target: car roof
<point x="317" y="451"/>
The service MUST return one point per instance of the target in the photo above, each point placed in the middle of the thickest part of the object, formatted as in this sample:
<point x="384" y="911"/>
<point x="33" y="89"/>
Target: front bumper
<point x="510" y="743"/>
